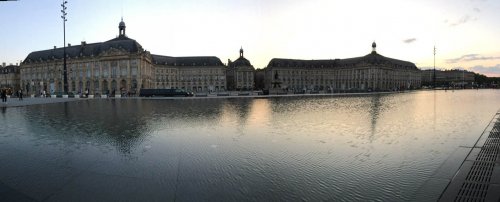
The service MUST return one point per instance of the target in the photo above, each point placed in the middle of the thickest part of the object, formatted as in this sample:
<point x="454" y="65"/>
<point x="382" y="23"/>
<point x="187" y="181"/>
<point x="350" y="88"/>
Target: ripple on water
<point x="353" y="148"/>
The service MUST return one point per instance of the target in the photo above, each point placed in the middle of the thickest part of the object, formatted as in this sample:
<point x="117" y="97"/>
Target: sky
<point x="464" y="32"/>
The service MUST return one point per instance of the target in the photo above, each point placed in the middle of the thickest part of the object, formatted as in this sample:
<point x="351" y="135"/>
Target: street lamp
<point x="65" y="73"/>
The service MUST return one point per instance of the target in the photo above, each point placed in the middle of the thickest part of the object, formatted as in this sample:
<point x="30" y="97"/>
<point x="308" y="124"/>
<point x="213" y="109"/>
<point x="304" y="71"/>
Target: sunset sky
<point x="466" y="33"/>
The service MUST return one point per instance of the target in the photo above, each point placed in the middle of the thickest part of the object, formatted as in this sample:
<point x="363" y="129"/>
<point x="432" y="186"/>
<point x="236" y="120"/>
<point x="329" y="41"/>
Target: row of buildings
<point x="454" y="77"/>
<point x="122" y="65"/>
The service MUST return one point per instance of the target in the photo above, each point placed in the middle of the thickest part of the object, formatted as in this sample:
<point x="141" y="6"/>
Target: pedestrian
<point x="20" y="95"/>
<point x="4" y="96"/>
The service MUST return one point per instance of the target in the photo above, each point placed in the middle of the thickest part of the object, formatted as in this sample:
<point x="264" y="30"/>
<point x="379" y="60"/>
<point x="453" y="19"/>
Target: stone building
<point x="119" y="65"/>
<point x="195" y="74"/>
<point x="240" y="74"/>
<point x="259" y="79"/>
<point x="9" y="78"/>
<point x="370" y="72"/>
<point x="447" y="77"/>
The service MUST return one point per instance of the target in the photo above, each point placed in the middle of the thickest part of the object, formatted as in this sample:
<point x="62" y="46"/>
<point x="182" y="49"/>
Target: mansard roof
<point x="9" y="69"/>
<point x="373" y="58"/>
<point x="84" y="49"/>
<point x="187" y="61"/>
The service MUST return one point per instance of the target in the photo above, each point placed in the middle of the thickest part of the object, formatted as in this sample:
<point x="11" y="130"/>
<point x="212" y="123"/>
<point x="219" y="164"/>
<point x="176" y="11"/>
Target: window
<point x="97" y="71"/>
<point x="105" y="70"/>
<point x="134" y="71"/>
<point x="89" y="72"/>
<point x="133" y="67"/>
<point x="123" y="68"/>
<point x="73" y="71"/>
<point x="80" y="70"/>
<point x="114" y="69"/>
<point x="123" y="71"/>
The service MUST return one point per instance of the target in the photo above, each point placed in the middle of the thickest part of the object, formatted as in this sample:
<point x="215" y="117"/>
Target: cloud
<point x="472" y="57"/>
<point x="410" y="40"/>
<point x="477" y="10"/>
<point x="489" y="71"/>
<point x="462" y="20"/>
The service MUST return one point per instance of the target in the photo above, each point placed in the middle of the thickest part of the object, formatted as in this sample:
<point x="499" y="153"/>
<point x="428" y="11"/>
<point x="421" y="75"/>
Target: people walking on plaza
<point x="20" y="94"/>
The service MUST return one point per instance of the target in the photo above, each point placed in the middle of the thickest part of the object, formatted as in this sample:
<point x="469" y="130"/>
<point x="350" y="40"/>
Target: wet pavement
<point x="478" y="178"/>
<point x="338" y="148"/>
<point x="15" y="102"/>
<point x="9" y="194"/>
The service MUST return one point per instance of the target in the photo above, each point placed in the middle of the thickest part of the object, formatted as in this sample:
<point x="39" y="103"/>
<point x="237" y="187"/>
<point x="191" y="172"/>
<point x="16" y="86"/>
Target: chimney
<point x="84" y="43"/>
<point x="69" y="45"/>
<point x="55" y="47"/>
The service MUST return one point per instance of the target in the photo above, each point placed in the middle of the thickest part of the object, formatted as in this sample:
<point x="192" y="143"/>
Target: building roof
<point x="241" y="62"/>
<point x="87" y="50"/>
<point x="373" y="59"/>
<point x="187" y="61"/>
<point x="9" y="69"/>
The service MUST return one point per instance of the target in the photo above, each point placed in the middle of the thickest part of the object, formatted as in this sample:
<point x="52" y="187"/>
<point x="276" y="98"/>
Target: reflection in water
<point x="434" y="111"/>
<point x="238" y="109"/>
<point x="120" y="122"/>
<point x="374" y="112"/>
<point x="374" y="147"/>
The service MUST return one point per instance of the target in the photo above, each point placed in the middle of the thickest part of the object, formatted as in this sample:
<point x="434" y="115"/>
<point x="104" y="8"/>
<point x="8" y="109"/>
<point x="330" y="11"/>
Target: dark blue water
<point x="342" y="148"/>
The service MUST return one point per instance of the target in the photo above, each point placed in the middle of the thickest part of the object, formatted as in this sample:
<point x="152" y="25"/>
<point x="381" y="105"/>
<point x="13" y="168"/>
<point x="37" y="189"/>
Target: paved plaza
<point x="41" y="163"/>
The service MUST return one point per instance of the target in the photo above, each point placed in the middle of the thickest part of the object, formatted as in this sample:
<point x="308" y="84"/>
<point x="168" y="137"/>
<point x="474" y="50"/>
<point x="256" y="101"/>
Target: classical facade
<point x="119" y="65"/>
<point x="370" y="72"/>
<point x="195" y="74"/>
<point x="9" y="77"/>
<point x="122" y="66"/>
<point x="240" y="74"/>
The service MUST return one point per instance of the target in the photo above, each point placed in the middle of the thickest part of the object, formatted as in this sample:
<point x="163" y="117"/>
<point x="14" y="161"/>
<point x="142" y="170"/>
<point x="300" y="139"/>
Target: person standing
<point x="20" y="94"/>
<point x="4" y="96"/>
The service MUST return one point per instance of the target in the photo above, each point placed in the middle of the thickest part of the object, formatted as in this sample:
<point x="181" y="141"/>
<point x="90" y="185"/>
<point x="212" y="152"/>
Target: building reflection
<point x="124" y="124"/>
<point x="374" y="114"/>
<point x="237" y="110"/>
